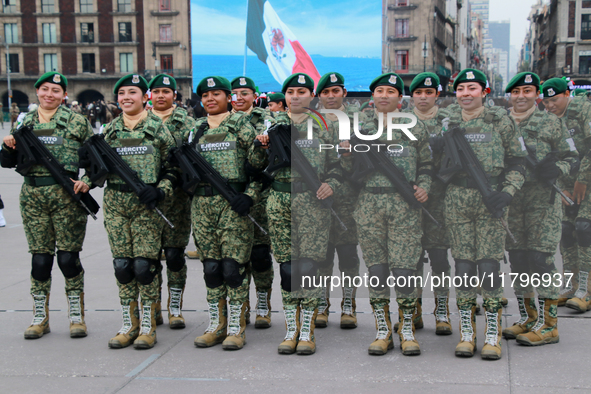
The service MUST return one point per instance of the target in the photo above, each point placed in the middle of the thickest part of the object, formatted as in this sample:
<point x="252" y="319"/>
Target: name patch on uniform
<point x="135" y="150"/>
<point x="51" y="140"/>
<point x="397" y="152"/>
<point x="304" y="144"/>
<point x="571" y="144"/>
<point x="216" y="146"/>
<point x="478" y="137"/>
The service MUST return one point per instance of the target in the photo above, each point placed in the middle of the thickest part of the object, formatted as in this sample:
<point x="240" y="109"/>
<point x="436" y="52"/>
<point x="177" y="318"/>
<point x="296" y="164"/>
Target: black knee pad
<point x="68" y="263"/>
<point x="465" y="267"/>
<point x="519" y="261"/>
<point x="568" y="239"/>
<point x="213" y="273"/>
<point x="348" y="259"/>
<point x="409" y="283"/>
<point x="380" y="271"/>
<point x="260" y="258"/>
<point x="41" y="265"/>
<point x="439" y="261"/>
<point x="123" y="269"/>
<point x="485" y="268"/>
<point x="537" y="262"/>
<point x="285" y="272"/>
<point x="144" y="270"/>
<point x="231" y="272"/>
<point x="583" y="229"/>
<point x="329" y="261"/>
<point x="175" y="258"/>
<point x="307" y="267"/>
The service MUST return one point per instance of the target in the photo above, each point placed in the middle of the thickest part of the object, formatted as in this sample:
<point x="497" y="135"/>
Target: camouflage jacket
<point x="577" y="119"/>
<point x="179" y="124"/>
<point x="261" y="119"/>
<point x="433" y="127"/>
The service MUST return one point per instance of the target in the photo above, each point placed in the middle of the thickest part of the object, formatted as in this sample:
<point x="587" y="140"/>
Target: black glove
<point x="83" y="159"/>
<point x="547" y="170"/>
<point x="499" y="200"/>
<point x="171" y="158"/>
<point x="8" y="157"/>
<point x="436" y="143"/>
<point x="150" y="195"/>
<point x="241" y="204"/>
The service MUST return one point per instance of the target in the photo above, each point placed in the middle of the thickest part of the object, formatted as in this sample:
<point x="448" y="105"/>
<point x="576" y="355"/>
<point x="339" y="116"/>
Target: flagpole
<point x="245" y="38"/>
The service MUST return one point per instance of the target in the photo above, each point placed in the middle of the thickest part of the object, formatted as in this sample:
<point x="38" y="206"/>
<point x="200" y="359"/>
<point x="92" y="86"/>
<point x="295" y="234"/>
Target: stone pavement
<point x="56" y="363"/>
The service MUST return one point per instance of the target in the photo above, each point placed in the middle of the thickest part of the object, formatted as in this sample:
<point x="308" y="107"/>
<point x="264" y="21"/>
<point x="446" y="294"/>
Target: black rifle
<point x="375" y="159"/>
<point x="532" y="162"/>
<point x="32" y="151"/>
<point x="283" y="152"/>
<point x="105" y="160"/>
<point x="460" y="156"/>
<point x="195" y="169"/>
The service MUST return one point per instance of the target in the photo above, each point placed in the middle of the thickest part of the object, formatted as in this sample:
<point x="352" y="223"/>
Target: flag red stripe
<point x="304" y="63"/>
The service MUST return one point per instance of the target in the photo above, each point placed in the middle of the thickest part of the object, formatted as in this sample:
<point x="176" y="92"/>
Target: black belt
<point x="37" y="181"/>
<point x="123" y="187"/>
<point x="299" y="187"/>
<point x="208" y="190"/>
<point x="469" y="183"/>
<point x="284" y="187"/>
<point x="381" y="190"/>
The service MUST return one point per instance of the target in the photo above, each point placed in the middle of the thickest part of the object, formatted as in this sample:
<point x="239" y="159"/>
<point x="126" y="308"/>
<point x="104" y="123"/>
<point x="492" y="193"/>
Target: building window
<point x="124" y="5"/>
<point x="49" y="35"/>
<point x="86" y="6"/>
<point x="10" y="33"/>
<point x="585" y="26"/>
<point x="88" y="63"/>
<point x="47" y="6"/>
<point x="166" y="64"/>
<point x="164" y="5"/>
<point x="401" y="28"/>
<point x="125" y="32"/>
<point x="87" y="32"/>
<point x="401" y="3"/>
<point x="50" y="61"/>
<point x="12" y="61"/>
<point x="584" y="64"/>
<point x="9" y="6"/>
<point x="401" y="61"/>
<point x="126" y="62"/>
<point x="165" y="33"/>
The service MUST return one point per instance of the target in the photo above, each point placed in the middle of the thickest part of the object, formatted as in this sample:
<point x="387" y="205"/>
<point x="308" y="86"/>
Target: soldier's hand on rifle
<point x="80" y="186"/>
<point x="499" y="200"/>
<point x="420" y="194"/>
<point x="241" y="204"/>
<point x="436" y="143"/>
<point x="83" y="160"/>
<point x="579" y="192"/>
<point x="324" y="191"/>
<point x="568" y="195"/>
<point x="345" y="145"/>
<point x="547" y="170"/>
<point x="264" y="140"/>
<point x="9" y="141"/>
<point x="150" y="195"/>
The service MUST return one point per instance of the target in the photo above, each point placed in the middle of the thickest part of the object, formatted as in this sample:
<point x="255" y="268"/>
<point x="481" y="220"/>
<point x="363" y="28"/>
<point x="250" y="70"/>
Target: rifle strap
<point x="200" y="131"/>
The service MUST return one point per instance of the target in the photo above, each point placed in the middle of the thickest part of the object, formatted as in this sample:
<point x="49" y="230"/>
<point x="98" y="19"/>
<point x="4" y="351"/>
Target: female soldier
<point x="135" y="230"/>
<point x="174" y="241"/>
<point x="52" y="220"/>
<point x="223" y="234"/>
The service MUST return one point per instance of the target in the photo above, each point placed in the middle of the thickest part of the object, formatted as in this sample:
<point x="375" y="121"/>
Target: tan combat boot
<point x="175" y="305"/>
<point x="529" y="316"/>
<point x="307" y="341"/>
<point x="546" y="329"/>
<point x="40" y="324"/>
<point x="130" y="329"/>
<point x="292" y="326"/>
<point x="323" y="306"/>
<point x="504" y="302"/>
<point x="441" y="312"/>
<point x="492" y="341"/>
<point x="581" y="301"/>
<point x="467" y="345"/>
<point x="406" y="333"/>
<point x="147" y="338"/>
<point x="571" y="284"/>
<point x="417" y="317"/>
<point x="216" y="331"/>
<point x="348" y="308"/>
<point x="263" y="309"/>
<point x="236" y="337"/>
<point x="383" y="341"/>
<point x="76" y="315"/>
<point x="192" y="254"/>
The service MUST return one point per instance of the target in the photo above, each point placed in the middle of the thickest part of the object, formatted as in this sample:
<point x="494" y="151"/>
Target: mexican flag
<point x="274" y="44"/>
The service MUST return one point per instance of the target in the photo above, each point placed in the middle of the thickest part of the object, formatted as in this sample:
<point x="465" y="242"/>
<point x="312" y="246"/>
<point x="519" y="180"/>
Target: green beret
<point x="425" y="80"/>
<point x="470" y="75"/>
<point x="298" y="80"/>
<point x="162" y="81"/>
<point x="580" y="92"/>
<point x="243" y="82"/>
<point x="213" y="83"/>
<point x="554" y="86"/>
<point x="275" y="97"/>
<point x="132" y="80"/>
<point x="389" y="79"/>
<point x="52" y="77"/>
<point x="523" y="79"/>
<point x="330" y="79"/>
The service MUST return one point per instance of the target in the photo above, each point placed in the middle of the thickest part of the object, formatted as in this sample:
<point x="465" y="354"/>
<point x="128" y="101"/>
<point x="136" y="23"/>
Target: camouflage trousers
<point x="220" y="232"/>
<point x="178" y="211"/>
<point x="584" y="252"/>
<point x="262" y="280"/>
<point x="53" y="221"/>
<point x="535" y="222"/>
<point x="389" y="233"/>
<point x="133" y="290"/>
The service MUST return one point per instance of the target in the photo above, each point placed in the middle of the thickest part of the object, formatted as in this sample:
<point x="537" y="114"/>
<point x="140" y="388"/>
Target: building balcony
<point x="401" y="39"/>
<point x="414" y="69"/>
<point x="167" y="44"/>
<point x="164" y="13"/>
<point x="394" y="7"/>
<point x="175" y="72"/>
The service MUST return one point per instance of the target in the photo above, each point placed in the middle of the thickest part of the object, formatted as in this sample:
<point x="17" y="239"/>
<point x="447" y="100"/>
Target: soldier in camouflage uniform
<point x="332" y="92"/>
<point x="276" y="102"/>
<point x="576" y="227"/>
<point x="223" y="234"/>
<point x="51" y="219"/>
<point x="133" y="227"/>
<point x="174" y="241"/>
<point x="389" y="229"/>
<point x="477" y="239"/>
<point x="535" y="215"/>
<point x="298" y="223"/>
